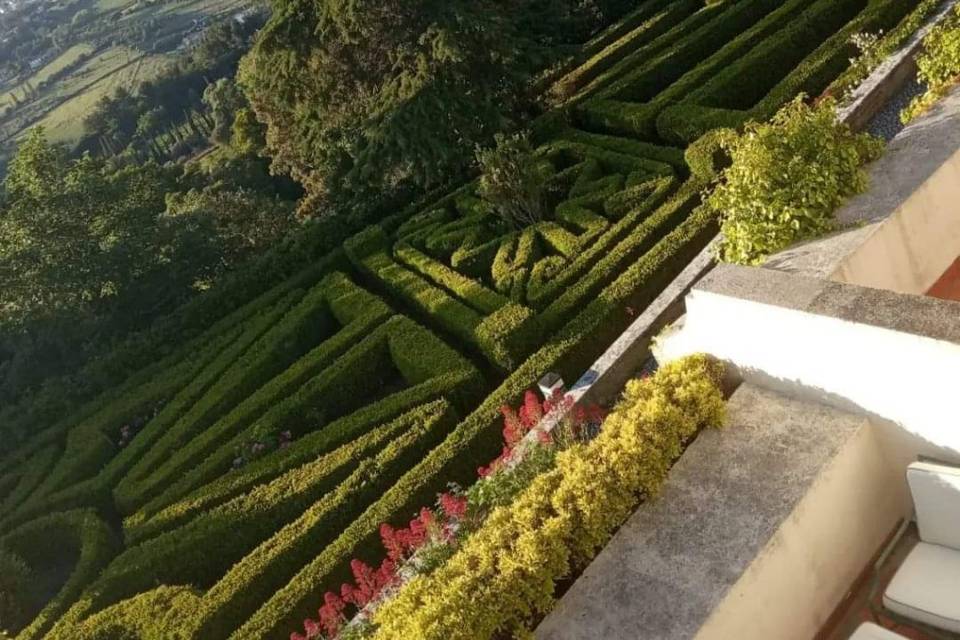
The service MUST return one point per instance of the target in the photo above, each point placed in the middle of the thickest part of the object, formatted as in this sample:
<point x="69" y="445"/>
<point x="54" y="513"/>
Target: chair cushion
<point x="926" y="587"/>
<point x="936" y="496"/>
<point x="870" y="631"/>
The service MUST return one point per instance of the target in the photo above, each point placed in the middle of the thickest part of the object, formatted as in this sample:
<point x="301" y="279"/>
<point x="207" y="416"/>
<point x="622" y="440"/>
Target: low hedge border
<point x="631" y="104"/>
<point x="725" y="102"/>
<point x="504" y="576"/>
<point x="192" y="370"/>
<point x="223" y="383"/>
<point x="31" y="475"/>
<point x="500" y="337"/>
<point x="338" y="391"/>
<point x="548" y="292"/>
<point x="650" y="21"/>
<point x="314" y="493"/>
<point x="357" y="313"/>
<point x="49" y="537"/>
<point x="482" y="299"/>
<point x="346" y="457"/>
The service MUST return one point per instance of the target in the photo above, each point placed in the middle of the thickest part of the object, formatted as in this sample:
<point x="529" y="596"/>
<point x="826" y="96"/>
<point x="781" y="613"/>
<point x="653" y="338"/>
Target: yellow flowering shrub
<point x="502" y="579"/>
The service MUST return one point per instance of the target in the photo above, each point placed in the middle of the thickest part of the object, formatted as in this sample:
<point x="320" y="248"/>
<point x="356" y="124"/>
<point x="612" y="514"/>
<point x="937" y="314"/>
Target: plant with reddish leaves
<point x="433" y="536"/>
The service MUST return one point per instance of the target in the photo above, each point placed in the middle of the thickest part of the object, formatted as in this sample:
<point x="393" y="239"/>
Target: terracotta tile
<point x="948" y="286"/>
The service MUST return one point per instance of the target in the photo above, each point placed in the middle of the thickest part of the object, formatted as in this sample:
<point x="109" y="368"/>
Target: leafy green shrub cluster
<point x="503" y="577"/>
<point x="938" y="65"/>
<point x="787" y="179"/>
<point x="883" y="46"/>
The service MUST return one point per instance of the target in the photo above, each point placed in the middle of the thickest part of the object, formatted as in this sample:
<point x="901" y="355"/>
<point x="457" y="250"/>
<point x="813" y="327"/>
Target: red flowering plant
<point x="530" y="445"/>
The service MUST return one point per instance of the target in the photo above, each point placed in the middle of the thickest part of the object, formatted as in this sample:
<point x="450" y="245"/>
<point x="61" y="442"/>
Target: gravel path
<point x="886" y="124"/>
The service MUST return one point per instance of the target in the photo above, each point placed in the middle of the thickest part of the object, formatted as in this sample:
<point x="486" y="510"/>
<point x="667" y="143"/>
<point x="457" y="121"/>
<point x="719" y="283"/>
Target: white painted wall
<point x="911" y="381"/>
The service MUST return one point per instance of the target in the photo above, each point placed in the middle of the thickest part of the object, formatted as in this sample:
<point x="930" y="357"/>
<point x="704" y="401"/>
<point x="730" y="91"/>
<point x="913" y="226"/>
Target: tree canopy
<point x="363" y="94"/>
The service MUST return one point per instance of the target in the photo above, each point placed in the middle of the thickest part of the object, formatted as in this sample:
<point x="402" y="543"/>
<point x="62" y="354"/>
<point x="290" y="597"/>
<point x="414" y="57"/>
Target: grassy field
<point x="61" y="62"/>
<point x="116" y="67"/>
<point x="61" y="107"/>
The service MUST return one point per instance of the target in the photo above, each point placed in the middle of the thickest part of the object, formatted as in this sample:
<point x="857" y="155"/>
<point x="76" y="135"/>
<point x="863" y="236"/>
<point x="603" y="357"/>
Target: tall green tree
<point x="375" y="93"/>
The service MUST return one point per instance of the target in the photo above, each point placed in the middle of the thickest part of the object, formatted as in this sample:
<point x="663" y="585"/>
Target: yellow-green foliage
<point x="787" y="178"/>
<point x="502" y="580"/>
<point x="939" y="65"/>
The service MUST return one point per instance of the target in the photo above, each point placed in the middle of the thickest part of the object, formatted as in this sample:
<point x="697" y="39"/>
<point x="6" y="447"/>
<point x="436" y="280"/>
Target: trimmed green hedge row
<point x="30" y="476"/>
<point x="648" y="22"/>
<point x="192" y="370"/>
<point x="632" y="102"/>
<point x="785" y="64"/>
<point x="648" y="197"/>
<point x="301" y="497"/>
<point x="341" y="461"/>
<point x="482" y="299"/>
<point x="80" y="534"/>
<point x="501" y="337"/>
<point x="282" y="343"/>
<point x="335" y="302"/>
<point x="649" y="51"/>
<point x="349" y="384"/>
<point x="640" y="240"/>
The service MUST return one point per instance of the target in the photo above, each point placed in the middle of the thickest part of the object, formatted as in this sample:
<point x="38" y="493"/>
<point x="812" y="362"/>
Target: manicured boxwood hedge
<point x="349" y="383"/>
<point x="80" y="534"/>
<point x="248" y="582"/>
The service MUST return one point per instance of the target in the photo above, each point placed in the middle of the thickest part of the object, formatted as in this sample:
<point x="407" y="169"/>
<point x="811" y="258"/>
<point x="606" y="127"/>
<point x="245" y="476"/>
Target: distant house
<point x="191" y="40"/>
<point x="246" y="14"/>
<point x="36" y="63"/>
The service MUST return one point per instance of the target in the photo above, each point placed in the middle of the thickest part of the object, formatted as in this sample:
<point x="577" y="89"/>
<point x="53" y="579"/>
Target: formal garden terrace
<point x="346" y="442"/>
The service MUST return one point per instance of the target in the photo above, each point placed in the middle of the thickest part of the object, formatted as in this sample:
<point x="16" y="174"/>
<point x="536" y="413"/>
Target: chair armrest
<point x="876" y="608"/>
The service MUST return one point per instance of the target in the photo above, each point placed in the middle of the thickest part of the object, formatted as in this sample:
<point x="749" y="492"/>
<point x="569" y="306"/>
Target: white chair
<point x="925" y="591"/>
<point x="870" y="631"/>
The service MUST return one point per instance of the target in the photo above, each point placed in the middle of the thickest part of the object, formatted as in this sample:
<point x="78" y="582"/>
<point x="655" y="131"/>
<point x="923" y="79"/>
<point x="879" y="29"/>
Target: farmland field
<point x="104" y="74"/>
<point x="61" y="62"/>
<point x="216" y="487"/>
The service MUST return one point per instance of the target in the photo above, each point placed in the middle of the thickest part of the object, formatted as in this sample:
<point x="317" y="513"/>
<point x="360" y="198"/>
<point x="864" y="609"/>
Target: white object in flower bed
<point x="926" y="587"/>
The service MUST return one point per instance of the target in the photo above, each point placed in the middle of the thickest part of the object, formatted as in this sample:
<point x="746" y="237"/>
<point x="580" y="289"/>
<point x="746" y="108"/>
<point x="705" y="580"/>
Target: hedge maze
<point x="217" y="491"/>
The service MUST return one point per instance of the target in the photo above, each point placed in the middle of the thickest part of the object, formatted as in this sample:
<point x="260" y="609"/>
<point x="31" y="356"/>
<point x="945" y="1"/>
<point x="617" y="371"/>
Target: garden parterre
<point x="214" y="477"/>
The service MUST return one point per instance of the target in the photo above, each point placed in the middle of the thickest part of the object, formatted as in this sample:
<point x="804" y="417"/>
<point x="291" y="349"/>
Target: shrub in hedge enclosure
<point x="786" y="180"/>
<point x="938" y="65"/>
<point x="502" y="578"/>
<point x="513" y="181"/>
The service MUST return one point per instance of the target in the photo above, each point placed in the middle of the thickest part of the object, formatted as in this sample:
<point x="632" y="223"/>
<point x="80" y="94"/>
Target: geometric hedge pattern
<point x="373" y="378"/>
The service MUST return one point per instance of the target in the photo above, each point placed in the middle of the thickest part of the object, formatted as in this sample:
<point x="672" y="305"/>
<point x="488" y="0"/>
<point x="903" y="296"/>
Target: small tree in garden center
<point x="787" y="178"/>
<point x="514" y="180"/>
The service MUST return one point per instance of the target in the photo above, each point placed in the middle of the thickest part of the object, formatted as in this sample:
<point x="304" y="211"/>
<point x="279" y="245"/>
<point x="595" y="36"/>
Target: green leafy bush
<point x="939" y="64"/>
<point x="787" y="178"/>
<point x="513" y="179"/>
<point x="503" y="577"/>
